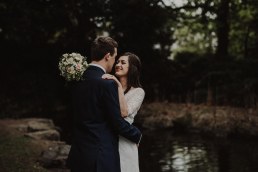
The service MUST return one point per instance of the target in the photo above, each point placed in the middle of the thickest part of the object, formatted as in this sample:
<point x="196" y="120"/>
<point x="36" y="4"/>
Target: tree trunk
<point x="223" y="29"/>
<point x="209" y="95"/>
<point x="246" y="42"/>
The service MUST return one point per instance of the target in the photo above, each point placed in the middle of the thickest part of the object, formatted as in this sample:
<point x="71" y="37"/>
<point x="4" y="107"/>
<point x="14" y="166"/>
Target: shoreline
<point x="208" y="120"/>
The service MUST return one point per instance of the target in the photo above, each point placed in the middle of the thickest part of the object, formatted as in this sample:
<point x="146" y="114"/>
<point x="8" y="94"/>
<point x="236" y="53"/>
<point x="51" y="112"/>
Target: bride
<point x="131" y="95"/>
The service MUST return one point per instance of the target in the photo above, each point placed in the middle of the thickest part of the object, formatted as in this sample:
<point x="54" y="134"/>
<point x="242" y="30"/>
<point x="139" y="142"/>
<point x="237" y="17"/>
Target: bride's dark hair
<point x="133" y="77"/>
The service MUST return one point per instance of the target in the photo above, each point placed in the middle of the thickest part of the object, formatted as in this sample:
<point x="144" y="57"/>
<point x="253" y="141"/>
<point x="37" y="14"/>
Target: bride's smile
<point x="122" y="66"/>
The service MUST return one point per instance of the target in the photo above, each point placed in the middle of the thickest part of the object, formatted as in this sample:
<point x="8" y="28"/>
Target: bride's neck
<point x="123" y="81"/>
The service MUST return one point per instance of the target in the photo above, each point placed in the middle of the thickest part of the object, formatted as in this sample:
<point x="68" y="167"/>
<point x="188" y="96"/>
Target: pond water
<point x="164" y="151"/>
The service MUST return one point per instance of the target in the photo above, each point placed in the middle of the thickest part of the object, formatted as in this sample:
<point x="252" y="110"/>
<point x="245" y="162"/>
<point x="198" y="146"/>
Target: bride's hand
<point x="108" y="76"/>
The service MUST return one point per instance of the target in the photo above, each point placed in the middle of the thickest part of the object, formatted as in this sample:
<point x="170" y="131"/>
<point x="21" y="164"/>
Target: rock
<point x="44" y="135"/>
<point x="64" y="150"/>
<point x="55" y="156"/>
<point x="47" y="136"/>
<point x="22" y="128"/>
<point x="40" y="125"/>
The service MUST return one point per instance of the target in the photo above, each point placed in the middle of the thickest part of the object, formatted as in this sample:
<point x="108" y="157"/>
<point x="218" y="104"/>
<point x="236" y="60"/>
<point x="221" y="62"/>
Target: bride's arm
<point x="122" y="101"/>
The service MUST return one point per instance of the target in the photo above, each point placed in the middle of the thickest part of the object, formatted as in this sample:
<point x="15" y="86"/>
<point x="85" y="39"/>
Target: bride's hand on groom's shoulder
<point x="108" y="76"/>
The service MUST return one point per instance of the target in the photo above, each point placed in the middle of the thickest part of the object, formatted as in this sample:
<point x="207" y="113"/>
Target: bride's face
<point x="122" y="66"/>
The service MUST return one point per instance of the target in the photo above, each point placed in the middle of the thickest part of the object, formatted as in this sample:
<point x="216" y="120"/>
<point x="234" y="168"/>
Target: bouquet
<point x="72" y="66"/>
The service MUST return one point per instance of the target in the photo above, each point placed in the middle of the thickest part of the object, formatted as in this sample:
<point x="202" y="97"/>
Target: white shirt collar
<point x="97" y="65"/>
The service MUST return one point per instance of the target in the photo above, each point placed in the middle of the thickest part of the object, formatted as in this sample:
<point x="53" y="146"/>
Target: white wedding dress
<point x="128" y="150"/>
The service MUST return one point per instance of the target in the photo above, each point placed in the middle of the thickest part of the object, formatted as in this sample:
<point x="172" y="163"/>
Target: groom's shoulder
<point x="107" y="83"/>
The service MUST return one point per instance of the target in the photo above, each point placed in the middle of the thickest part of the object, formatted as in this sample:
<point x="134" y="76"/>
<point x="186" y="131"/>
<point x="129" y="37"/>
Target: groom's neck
<point x="101" y="63"/>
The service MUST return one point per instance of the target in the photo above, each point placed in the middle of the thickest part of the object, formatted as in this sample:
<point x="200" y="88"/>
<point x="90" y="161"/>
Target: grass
<point x="18" y="154"/>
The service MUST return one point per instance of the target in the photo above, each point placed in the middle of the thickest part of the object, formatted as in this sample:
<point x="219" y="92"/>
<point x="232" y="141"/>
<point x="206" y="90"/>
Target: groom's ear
<point x="107" y="56"/>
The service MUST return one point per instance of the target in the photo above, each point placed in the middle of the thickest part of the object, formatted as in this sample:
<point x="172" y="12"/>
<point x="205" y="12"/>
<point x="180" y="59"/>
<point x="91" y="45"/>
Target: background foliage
<point x="198" y="51"/>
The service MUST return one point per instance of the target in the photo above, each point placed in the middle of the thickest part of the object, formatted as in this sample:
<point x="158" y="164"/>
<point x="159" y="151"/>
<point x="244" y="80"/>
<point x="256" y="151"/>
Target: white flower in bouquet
<point x="72" y="66"/>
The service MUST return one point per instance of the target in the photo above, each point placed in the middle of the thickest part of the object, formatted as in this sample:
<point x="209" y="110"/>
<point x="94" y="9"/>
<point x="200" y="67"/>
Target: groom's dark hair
<point x="101" y="46"/>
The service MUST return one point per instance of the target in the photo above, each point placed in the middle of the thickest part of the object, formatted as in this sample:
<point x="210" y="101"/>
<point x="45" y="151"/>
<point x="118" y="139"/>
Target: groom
<point x="97" y="120"/>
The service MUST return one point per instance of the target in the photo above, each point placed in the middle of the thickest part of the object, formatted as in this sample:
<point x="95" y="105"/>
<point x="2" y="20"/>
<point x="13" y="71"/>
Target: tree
<point x="223" y="29"/>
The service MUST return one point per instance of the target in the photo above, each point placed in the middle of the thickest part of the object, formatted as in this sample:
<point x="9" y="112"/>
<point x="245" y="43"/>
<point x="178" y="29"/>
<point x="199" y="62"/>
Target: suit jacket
<point x="97" y="124"/>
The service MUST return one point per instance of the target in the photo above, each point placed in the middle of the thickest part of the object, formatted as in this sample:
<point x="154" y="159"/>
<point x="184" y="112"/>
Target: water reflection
<point x="185" y="157"/>
<point x="182" y="157"/>
<point x="167" y="152"/>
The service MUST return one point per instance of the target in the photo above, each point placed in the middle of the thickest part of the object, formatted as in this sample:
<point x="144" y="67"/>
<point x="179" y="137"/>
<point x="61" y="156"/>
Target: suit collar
<point x="95" y="68"/>
<point x="99" y="66"/>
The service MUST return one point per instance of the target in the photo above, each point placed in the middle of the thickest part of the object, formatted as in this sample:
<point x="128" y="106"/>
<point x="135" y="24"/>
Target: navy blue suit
<point x="97" y="124"/>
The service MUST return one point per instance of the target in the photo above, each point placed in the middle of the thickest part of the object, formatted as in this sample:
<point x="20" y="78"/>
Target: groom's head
<point x="104" y="50"/>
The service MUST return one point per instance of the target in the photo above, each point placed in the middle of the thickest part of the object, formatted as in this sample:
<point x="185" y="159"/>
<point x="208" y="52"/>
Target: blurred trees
<point x="199" y="51"/>
<point x="218" y="40"/>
